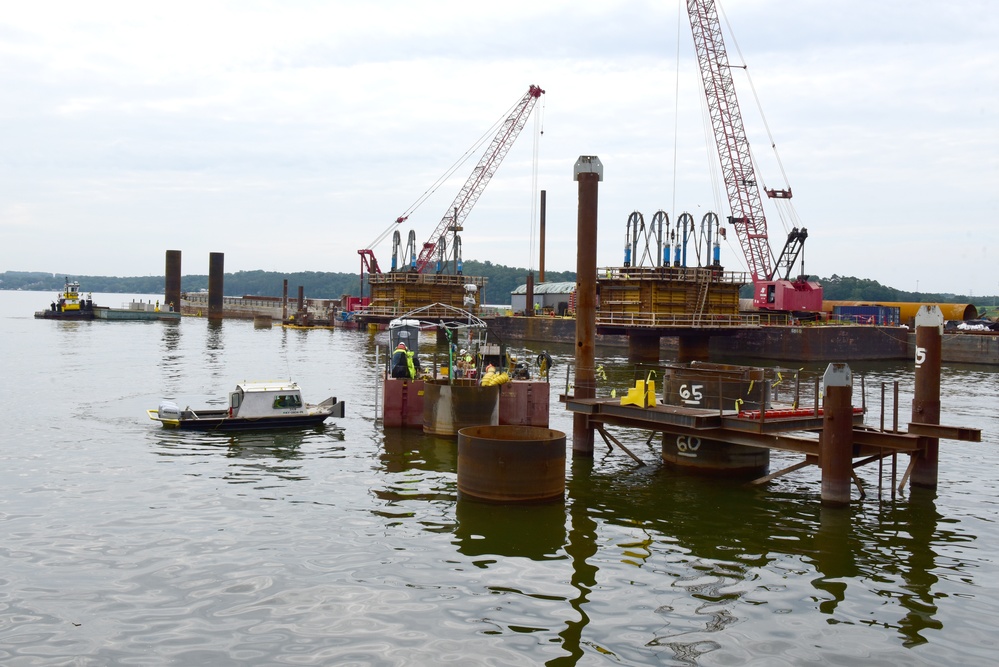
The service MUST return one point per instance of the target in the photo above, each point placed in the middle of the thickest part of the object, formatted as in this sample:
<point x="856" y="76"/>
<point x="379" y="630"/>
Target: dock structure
<point x="699" y="433"/>
<point x="730" y="434"/>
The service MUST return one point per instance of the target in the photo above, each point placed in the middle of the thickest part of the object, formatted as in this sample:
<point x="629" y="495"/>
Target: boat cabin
<point x="266" y="399"/>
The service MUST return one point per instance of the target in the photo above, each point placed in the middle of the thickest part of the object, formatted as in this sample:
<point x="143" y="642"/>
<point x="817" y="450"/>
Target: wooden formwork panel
<point x="670" y="297"/>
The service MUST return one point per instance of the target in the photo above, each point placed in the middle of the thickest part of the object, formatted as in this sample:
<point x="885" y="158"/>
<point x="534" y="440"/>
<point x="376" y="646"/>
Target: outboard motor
<point x="168" y="410"/>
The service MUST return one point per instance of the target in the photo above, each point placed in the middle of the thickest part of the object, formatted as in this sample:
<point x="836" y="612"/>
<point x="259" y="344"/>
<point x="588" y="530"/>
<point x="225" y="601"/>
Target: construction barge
<point x="810" y="342"/>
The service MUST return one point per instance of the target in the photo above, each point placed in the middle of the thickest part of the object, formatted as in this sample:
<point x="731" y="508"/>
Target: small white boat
<point x="252" y="406"/>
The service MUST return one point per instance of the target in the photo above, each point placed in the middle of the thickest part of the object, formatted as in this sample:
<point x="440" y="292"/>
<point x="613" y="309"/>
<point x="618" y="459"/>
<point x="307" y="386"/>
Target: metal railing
<point x="678" y="273"/>
<point x="691" y="321"/>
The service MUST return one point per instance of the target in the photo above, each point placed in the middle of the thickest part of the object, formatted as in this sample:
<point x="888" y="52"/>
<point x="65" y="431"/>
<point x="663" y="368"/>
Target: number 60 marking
<point x="687" y="445"/>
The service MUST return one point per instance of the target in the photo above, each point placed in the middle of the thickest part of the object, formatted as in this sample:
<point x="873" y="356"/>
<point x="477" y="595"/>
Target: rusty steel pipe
<point x="836" y="441"/>
<point x="926" y="398"/>
<point x="171" y="294"/>
<point x="216" y="285"/>
<point x="588" y="172"/>
<point x="529" y="299"/>
<point x="284" y="302"/>
<point x="541" y="252"/>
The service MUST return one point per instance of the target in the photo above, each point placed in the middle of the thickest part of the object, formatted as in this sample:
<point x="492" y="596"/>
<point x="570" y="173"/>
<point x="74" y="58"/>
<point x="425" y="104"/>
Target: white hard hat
<point x="462" y="351"/>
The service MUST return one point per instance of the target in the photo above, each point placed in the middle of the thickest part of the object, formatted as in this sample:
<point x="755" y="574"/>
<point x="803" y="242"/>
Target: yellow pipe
<point x="908" y="309"/>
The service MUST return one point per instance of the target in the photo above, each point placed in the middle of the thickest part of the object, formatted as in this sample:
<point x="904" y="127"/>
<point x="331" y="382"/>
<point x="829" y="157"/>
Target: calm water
<point x="124" y="543"/>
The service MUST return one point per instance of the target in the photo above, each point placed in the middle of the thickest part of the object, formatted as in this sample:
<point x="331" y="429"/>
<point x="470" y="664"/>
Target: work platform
<point x="399" y="292"/>
<point x="736" y="427"/>
<point x="668" y="300"/>
<point x="724" y="420"/>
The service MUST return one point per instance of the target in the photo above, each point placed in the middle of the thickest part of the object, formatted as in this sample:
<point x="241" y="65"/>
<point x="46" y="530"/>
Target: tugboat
<point x="69" y="305"/>
<point x="252" y="406"/>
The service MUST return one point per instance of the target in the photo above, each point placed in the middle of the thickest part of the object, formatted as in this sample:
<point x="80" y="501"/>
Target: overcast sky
<point x="288" y="135"/>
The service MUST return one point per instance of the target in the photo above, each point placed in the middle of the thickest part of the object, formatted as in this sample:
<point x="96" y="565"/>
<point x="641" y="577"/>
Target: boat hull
<point x="236" y="424"/>
<point x="67" y="315"/>
<point x="118" y="314"/>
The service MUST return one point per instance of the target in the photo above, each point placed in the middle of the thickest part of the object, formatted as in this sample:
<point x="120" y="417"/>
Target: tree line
<point x="502" y="280"/>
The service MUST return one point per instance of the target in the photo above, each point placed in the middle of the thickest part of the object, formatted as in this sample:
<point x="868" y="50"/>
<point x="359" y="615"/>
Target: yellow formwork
<point x="397" y="293"/>
<point x="669" y="293"/>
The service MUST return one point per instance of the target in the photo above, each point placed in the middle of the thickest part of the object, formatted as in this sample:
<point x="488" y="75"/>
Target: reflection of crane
<point x="438" y="242"/>
<point x="773" y="287"/>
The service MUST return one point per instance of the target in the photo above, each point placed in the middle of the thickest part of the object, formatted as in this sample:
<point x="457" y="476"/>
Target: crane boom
<point x="771" y="291"/>
<point x="469" y="194"/>
<point x="730" y="137"/>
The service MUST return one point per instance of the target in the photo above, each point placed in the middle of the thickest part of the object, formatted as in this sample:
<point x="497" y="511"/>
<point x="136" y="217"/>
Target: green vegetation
<point x="502" y="281"/>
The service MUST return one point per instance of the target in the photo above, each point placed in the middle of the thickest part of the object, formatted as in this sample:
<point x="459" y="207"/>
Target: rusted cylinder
<point x="216" y="285"/>
<point x="836" y="440"/>
<point x="926" y="394"/>
<point x="171" y="294"/>
<point x="511" y="464"/>
<point x="643" y="348"/>
<point x="301" y="298"/>
<point x="448" y="408"/>
<point x="715" y="458"/>
<point x="588" y="172"/>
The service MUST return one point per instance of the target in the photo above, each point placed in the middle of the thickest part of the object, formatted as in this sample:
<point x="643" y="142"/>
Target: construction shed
<point x="551" y="298"/>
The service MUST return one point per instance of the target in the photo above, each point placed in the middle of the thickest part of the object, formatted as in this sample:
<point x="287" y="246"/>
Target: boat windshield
<point x="287" y="401"/>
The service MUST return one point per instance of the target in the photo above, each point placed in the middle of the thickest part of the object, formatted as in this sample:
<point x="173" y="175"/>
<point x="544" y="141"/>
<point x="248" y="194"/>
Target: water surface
<point x="124" y="543"/>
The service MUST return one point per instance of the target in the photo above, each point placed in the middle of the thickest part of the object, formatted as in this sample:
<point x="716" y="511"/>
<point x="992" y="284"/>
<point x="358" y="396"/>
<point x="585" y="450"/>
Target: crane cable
<point x="539" y="130"/>
<point x="782" y="210"/>
<point x="710" y="148"/>
<point x="676" y="108"/>
<point x="472" y="150"/>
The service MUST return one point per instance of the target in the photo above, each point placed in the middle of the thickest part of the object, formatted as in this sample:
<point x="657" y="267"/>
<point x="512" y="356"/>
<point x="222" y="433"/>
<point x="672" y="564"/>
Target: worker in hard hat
<point x="465" y="363"/>
<point x="405" y="364"/>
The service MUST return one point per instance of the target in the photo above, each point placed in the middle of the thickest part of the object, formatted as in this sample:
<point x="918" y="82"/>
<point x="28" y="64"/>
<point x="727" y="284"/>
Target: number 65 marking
<point x="693" y="395"/>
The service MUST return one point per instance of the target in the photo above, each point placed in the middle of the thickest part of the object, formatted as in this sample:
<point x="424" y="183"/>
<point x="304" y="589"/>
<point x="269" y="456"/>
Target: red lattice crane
<point x="773" y="287"/>
<point x="455" y="215"/>
<point x="479" y="178"/>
